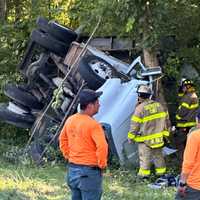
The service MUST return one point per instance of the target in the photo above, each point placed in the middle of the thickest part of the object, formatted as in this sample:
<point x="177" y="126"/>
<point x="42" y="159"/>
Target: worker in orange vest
<point x="189" y="183"/>
<point x="83" y="144"/>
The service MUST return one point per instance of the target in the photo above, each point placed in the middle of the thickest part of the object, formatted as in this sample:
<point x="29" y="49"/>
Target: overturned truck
<point x="55" y="67"/>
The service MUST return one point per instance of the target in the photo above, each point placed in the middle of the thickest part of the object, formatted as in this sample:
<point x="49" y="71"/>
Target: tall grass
<point x="47" y="183"/>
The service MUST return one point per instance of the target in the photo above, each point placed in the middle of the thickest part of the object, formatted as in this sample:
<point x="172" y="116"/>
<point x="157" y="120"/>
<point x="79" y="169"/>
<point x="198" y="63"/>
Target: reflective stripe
<point x="136" y="119"/>
<point x="160" y="170"/>
<point x="131" y="135"/>
<point x="180" y="94"/>
<point x="157" y="145"/>
<point x="154" y="116"/>
<point x="186" y="124"/>
<point x="149" y="118"/>
<point x="192" y="106"/>
<point x="178" y="117"/>
<point x="166" y="133"/>
<point x="144" y="172"/>
<point x="150" y="137"/>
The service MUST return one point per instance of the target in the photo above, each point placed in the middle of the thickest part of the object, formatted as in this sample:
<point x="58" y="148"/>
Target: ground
<point x="20" y="182"/>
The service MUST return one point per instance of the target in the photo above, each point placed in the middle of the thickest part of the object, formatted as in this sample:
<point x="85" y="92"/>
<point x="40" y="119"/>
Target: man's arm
<point x="190" y="153"/>
<point x="136" y="121"/>
<point x="63" y="142"/>
<point x="186" y="105"/>
<point x="98" y="136"/>
<point x="189" y="160"/>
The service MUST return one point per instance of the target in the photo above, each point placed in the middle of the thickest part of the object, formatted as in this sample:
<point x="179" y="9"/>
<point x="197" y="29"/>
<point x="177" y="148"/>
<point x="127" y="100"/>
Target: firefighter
<point x="180" y="89"/>
<point x="185" y="116"/>
<point x="149" y="126"/>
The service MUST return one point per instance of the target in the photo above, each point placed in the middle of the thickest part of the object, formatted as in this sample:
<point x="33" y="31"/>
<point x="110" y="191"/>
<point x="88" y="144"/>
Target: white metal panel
<point x="116" y="107"/>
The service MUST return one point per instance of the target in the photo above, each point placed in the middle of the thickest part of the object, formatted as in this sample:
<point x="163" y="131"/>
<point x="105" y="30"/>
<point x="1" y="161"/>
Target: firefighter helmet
<point x="187" y="82"/>
<point x="144" y="89"/>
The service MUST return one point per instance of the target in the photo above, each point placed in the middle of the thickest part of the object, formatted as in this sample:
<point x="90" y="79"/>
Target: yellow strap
<point x="161" y="170"/>
<point x="150" y="137"/>
<point x="149" y="118"/>
<point x="155" y="116"/>
<point x="166" y="133"/>
<point x="178" y="117"/>
<point x="186" y="124"/>
<point x="157" y="145"/>
<point x="192" y="106"/>
<point x="180" y="94"/>
<point x="136" y="119"/>
<point x="144" y="172"/>
<point x="131" y="135"/>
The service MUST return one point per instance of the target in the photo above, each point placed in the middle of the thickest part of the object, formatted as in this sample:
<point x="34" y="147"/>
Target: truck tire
<point x="61" y="33"/>
<point x="42" y="24"/>
<point x="49" y="43"/>
<point x="22" y="96"/>
<point x="95" y="71"/>
<point x="24" y="120"/>
<point x="56" y="30"/>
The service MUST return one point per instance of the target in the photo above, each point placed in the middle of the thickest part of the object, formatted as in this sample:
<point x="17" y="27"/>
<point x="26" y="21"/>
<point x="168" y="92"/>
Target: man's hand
<point x="181" y="189"/>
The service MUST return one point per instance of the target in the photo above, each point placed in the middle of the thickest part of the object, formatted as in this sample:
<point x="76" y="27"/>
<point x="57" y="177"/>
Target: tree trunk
<point x="151" y="60"/>
<point x="150" y="57"/>
<point x="17" y="10"/>
<point x="2" y="10"/>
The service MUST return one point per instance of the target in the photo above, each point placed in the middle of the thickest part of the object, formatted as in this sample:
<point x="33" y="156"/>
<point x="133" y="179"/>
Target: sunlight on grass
<point x="34" y="183"/>
<point x="27" y="186"/>
<point x="47" y="183"/>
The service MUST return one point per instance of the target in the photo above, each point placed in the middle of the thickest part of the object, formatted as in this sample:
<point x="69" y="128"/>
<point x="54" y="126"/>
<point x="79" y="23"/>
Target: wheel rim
<point x="102" y="69"/>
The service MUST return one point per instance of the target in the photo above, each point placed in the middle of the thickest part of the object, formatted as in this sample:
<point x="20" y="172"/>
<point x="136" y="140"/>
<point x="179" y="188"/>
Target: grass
<point x="23" y="183"/>
<point x="27" y="182"/>
<point x="47" y="183"/>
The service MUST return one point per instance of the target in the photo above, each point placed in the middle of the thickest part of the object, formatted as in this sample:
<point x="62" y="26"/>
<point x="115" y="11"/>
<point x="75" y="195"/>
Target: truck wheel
<point x="49" y="43"/>
<point x="56" y="30"/>
<point x="42" y="24"/>
<point x="22" y="96"/>
<point x="61" y="33"/>
<point x="95" y="71"/>
<point x="22" y="120"/>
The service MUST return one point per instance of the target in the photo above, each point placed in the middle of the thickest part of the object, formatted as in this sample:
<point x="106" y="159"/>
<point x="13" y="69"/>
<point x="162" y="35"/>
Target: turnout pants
<point x="148" y="156"/>
<point x="180" y="141"/>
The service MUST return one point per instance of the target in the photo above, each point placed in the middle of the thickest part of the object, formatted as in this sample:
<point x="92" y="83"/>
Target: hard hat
<point x="187" y="82"/>
<point x="182" y="80"/>
<point x="144" y="89"/>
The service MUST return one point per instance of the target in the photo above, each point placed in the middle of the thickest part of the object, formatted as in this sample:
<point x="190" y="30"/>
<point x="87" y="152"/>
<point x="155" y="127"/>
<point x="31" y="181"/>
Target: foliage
<point x="14" y="35"/>
<point x="17" y="155"/>
<point x="172" y="67"/>
<point x="146" y="22"/>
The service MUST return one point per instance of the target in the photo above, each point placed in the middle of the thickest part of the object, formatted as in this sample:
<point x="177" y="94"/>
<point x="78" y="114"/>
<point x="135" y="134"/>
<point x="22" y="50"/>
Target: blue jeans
<point x="84" y="182"/>
<point x="190" y="194"/>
